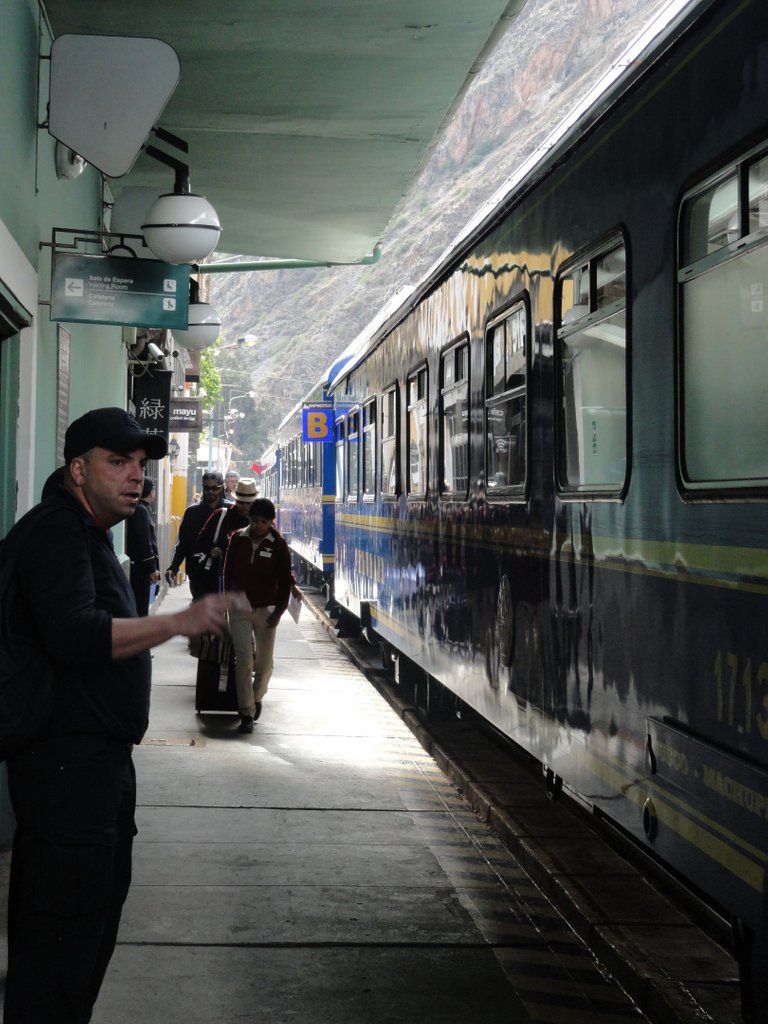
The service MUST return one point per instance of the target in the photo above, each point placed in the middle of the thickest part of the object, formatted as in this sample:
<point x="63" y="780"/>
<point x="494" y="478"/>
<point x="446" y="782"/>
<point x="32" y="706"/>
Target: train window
<point x="506" y="405"/>
<point x="315" y="463"/>
<point x="712" y="220"/>
<point x="454" y="420"/>
<point x="574" y="292"/>
<point x="592" y="362"/>
<point x="390" y="437"/>
<point x="758" y="194"/>
<point x="339" y="460"/>
<point x="369" y="449"/>
<point x="309" y="464"/>
<point x="724" y="330"/>
<point x="288" y="465"/>
<point x="353" y="454"/>
<point x="301" y="466"/>
<point x="296" y="451"/>
<point x="417" y="433"/>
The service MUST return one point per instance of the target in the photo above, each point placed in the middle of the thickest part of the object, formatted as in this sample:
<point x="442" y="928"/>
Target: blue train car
<point x="550" y="461"/>
<point x="304" y="493"/>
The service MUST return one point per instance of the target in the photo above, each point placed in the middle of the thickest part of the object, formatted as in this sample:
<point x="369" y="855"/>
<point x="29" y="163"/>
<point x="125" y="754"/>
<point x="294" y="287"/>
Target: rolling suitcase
<point x="215" y="688"/>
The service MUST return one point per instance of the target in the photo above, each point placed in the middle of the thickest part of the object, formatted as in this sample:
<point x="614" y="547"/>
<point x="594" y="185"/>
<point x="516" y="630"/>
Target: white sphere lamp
<point x="204" y="327"/>
<point x="180" y="227"/>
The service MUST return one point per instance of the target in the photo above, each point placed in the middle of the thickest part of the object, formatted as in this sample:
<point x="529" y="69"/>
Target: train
<point x="545" y="491"/>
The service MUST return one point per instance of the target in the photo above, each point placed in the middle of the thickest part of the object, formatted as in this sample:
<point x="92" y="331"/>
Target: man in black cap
<point x="73" y="786"/>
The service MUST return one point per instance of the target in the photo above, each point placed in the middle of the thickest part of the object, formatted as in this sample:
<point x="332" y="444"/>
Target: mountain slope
<point x="302" y="319"/>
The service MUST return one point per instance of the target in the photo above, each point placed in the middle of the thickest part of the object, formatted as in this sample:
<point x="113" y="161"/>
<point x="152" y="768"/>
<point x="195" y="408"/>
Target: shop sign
<point x="186" y="414"/>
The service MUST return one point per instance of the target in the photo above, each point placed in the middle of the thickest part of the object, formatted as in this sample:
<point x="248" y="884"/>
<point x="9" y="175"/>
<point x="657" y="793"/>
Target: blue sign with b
<point x="317" y="423"/>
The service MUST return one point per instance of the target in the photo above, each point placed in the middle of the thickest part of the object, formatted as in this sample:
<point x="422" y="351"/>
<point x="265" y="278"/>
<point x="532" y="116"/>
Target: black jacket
<point x="193" y="520"/>
<point x="70" y="586"/>
<point x="140" y="543"/>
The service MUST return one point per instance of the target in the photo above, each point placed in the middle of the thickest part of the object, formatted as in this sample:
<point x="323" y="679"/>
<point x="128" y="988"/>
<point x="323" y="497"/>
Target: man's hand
<point x="209" y="614"/>
<point x="170" y="577"/>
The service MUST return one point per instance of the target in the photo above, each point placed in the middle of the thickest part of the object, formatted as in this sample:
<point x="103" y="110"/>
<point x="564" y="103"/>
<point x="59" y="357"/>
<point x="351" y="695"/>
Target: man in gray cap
<point x="72" y="785"/>
<point x="230" y="483"/>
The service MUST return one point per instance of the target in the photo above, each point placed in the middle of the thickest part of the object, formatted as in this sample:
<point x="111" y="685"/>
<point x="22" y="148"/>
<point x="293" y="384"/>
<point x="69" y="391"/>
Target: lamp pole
<point x="227" y="416"/>
<point x="233" y="414"/>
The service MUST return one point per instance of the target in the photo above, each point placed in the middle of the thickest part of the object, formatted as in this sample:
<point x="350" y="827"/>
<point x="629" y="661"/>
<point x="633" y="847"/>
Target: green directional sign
<point x="119" y="290"/>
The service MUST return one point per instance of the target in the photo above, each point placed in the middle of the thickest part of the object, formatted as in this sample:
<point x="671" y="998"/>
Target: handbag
<point x="214" y="648"/>
<point x="203" y="561"/>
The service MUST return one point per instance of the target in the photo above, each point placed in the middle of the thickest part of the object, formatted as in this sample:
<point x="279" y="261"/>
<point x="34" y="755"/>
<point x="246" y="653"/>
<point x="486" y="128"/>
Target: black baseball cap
<point x="114" y="429"/>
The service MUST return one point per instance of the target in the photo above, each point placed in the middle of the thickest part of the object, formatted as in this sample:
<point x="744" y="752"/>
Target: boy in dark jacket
<point x="258" y="564"/>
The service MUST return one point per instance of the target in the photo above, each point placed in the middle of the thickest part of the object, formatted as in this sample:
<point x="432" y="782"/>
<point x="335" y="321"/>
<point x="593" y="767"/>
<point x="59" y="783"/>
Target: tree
<point x="210" y="378"/>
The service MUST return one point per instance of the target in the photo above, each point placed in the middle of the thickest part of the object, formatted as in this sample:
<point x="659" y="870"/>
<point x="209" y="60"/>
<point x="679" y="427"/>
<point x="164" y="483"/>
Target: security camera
<point x="155" y="351"/>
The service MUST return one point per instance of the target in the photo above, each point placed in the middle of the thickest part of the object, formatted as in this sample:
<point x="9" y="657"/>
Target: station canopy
<point x="306" y="121"/>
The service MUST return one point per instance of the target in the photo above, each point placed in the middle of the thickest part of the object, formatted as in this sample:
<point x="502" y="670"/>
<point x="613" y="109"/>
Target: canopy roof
<point x="306" y="121"/>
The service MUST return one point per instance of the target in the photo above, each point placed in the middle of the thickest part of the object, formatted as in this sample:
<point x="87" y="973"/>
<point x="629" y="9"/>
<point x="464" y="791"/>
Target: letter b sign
<point x="317" y="424"/>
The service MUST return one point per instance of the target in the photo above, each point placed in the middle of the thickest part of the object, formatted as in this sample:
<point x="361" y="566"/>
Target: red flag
<point x="257" y="467"/>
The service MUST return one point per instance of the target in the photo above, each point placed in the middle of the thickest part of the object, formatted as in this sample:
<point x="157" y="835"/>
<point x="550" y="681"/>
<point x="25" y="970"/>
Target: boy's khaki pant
<point x="252" y="672"/>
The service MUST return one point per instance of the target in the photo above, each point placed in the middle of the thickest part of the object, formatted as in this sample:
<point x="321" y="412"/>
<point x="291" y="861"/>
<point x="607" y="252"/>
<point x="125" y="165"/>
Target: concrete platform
<point x="326" y="869"/>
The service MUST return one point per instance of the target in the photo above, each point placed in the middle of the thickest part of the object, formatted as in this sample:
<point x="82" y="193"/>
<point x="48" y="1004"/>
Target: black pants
<point x="74" y="799"/>
<point x="202" y="583"/>
<point x="140" y="587"/>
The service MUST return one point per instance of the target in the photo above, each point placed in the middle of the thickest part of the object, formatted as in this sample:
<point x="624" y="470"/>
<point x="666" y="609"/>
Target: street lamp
<point x="228" y="417"/>
<point x="234" y="414"/>
<point x="233" y="398"/>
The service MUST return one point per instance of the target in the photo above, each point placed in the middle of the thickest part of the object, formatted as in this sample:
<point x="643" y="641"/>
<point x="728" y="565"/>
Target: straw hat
<point x="246" y="489"/>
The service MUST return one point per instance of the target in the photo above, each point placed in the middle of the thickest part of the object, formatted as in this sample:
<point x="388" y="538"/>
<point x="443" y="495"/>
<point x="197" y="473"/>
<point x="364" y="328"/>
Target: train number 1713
<point x="734" y="697"/>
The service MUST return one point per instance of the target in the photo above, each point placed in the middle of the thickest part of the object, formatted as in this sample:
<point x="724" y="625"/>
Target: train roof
<point x="644" y="50"/>
<point x="318" y="385"/>
<point x="358" y="347"/>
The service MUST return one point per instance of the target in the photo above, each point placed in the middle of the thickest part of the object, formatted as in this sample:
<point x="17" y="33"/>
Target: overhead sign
<point x="119" y="290"/>
<point x="186" y="414"/>
<point x="317" y="422"/>
<point x="152" y="400"/>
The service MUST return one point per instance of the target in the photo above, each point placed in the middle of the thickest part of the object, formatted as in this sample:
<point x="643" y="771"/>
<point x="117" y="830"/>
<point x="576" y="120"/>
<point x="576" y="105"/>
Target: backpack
<point x="26" y="675"/>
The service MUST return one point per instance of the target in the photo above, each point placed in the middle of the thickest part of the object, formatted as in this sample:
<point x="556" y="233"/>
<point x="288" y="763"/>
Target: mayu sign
<point x="186" y="414"/>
